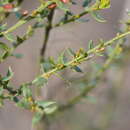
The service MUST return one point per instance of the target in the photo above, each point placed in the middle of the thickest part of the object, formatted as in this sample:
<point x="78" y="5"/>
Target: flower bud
<point x="8" y="7"/>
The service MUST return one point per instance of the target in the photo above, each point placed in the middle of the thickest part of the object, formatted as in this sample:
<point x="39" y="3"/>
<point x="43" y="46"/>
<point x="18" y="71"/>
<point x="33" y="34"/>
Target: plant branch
<point x="75" y="17"/>
<point x="27" y="19"/>
<point x="84" y="57"/>
<point x="80" y="58"/>
<point x="47" y="33"/>
<point x="92" y="84"/>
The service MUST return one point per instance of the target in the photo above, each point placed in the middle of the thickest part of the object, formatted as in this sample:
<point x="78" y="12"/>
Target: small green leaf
<point x="5" y="55"/>
<point x="66" y="16"/>
<point x="39" y="81"/>
<point x="18" y="55"/>
<point x="9" y="75"/>
<point x="38" y="25"/>
<point x="77" y="69"/>
<point x="90" y="45"/>
<point x="23" y="103"/>
<point x="45" y="104"/>
<point x="4" y="46"/>
<point x="19" y="40"/>
<point x="3" y="27"/>
<point x="37" y="117"/>
<point x="9" y="37"/>
<point x="86" y="3"/>
<point x="97" y="17"/>
<point x="26" y="91"/>
<point x="1" y="90"/>
<point x="71" y="52"/>
<point x="50" y="110"/>
<point x="30" y="31"/>
<point x="46" y="65"/>
<point x="15" y="99"/>
<point x="51" y="60"/>
<point x="61" y="5"/>
<point x="62" y="58"/>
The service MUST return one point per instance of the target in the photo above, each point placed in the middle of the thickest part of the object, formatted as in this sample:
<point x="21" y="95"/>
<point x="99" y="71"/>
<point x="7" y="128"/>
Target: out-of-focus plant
<point x="43" y="17"/>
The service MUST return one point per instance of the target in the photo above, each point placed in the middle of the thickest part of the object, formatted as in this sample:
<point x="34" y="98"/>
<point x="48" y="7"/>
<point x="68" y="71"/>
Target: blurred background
<point x="110" y="108"/>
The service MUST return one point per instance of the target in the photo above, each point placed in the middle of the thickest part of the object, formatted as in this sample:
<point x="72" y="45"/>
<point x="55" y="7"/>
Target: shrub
<point x="110" y="51"/>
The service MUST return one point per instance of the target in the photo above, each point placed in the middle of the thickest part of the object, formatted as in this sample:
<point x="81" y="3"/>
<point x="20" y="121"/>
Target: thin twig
<point x="47" y="33"/>
<point x="83" y="57"/>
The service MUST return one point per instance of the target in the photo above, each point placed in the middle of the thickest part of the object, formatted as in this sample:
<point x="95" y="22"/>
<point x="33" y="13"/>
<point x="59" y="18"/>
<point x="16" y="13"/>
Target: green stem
<point x="92" y="84"/>
<point x="84" y="58"/>
<point x="18" y="24"/>
<point x="75" y="17"/>
<point x="25" y="20"/>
